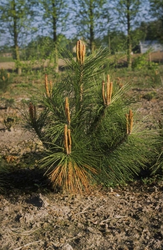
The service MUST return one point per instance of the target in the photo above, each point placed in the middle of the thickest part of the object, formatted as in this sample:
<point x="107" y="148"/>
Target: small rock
<point x="44" y="200"/>
<point x="67" y="247"/>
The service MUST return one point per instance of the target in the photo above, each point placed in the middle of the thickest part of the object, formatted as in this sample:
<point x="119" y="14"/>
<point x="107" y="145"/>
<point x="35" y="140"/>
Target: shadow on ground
<point x="23" y="176"/>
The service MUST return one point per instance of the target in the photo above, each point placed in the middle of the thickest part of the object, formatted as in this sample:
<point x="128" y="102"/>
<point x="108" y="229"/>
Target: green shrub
<point x="5" y="79"/>
<point x="87" y="130"/>
<point x="141" y="62"/>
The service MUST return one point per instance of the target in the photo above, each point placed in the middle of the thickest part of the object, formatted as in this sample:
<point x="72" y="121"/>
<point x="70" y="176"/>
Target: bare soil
<point x="120" y="219"/>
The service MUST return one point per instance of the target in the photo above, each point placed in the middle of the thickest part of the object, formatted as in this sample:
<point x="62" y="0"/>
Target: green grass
<point x="24" y="85"/>
<point x="6" y="59"/>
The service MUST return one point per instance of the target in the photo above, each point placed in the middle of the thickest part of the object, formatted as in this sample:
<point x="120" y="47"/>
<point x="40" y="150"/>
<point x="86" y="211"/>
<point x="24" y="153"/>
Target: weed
<point x="7" y="102"/>
<point x="149" y="96"/>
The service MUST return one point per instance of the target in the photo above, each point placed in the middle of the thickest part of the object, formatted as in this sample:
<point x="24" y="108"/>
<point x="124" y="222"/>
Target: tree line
<point x="120" y="22"/>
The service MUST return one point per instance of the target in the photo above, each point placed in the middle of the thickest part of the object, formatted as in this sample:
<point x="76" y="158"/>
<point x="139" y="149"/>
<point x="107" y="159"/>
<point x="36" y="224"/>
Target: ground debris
<point x="100" y="220"/>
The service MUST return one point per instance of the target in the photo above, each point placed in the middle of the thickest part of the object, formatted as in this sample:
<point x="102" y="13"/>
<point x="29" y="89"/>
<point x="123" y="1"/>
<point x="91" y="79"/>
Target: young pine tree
<point x="88" y="133"/>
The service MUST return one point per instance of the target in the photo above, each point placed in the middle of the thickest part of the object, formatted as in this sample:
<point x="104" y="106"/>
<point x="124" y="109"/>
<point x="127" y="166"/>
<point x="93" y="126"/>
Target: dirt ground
<point x="119" y="219"/>
<point x="123" y="218"/>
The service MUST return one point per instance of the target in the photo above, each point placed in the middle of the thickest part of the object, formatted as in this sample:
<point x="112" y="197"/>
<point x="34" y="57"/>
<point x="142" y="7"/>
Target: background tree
<point x="149" y="30"/>
<point x="55" y="14"/>
<point x="15" y="19"/>
<point x="115" y="40"/>
<point x="128" y="12"/>
<point x="89" y="19"/>
<point x="41" y="47"/>
<point x="156" y="10"/>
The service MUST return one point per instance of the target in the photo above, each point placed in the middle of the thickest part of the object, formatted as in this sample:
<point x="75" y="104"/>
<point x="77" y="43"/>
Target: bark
<point x="16" y="48"/>
<point x="91" y="28"/>
<point x="129" y="42"/>
<point x="109" y="44"/>
<point x="55" y="36"/>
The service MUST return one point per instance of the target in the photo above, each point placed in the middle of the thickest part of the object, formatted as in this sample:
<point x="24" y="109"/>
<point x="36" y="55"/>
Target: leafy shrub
<point x="141" y="62"/>
<point x="88" y="132"/>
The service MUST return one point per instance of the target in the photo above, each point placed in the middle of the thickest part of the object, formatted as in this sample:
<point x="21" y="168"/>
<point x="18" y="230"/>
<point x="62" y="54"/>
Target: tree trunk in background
<point x="90" y="20"/>
<point x="55" y="36"/>
<point x="109" y="44"/>
<point x="129" y="42"/>
<point x="17" y="56"/>
<point x="16" y="48"/>
<point x="92" y="45"/>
